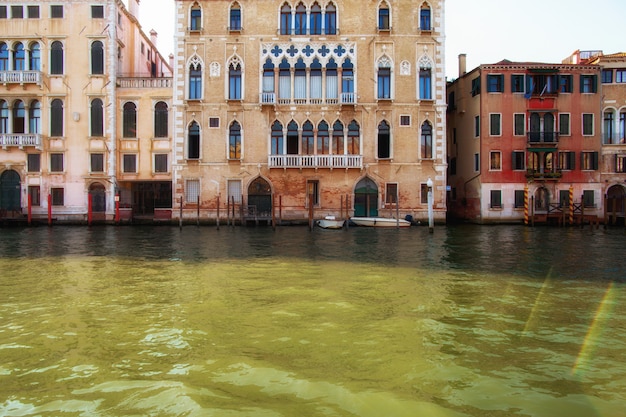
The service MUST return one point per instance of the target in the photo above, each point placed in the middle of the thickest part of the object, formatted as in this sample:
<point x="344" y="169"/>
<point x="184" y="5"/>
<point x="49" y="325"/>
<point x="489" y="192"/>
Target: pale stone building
<point x="68" y="70"/>
<point x="312" y="106"/>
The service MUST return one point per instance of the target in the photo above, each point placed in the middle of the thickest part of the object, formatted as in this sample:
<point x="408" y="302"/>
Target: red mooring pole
<point x="49" y="209"/>
<point x="89" y="208"/>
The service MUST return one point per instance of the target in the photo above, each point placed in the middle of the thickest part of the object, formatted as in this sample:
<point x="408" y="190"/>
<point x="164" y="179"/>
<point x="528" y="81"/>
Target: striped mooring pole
<point x="526" y="204"/>
<point x="571" y="204"/>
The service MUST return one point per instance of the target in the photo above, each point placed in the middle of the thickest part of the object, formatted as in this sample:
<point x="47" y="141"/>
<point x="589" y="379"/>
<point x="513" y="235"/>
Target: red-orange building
<point x="523" y="140"/>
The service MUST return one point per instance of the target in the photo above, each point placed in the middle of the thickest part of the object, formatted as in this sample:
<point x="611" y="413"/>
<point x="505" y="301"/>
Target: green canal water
<point x="250" y="322"/>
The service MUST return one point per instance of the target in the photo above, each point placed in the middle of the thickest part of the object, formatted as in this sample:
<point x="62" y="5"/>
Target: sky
<point x="487" y="31"/>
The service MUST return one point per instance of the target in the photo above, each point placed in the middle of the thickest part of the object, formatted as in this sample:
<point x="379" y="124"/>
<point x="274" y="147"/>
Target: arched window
<point x="56" y="58"/>
<point x="323" y="140"/>
<point x="4" y="57"/>
<point x="299" y="85"/>
<point x="384" y="79"/>
<point x="338" y="148"/>
<point x="425" y="82"/>
<point x="97" y="58"/>
<point x="354" y="138"/>
<point x="235" y="17"/>
<point x="161" y="120"/>
<point x="384" y="19"/>
<point x="548" y="128"/>
<point x="300" y="23"/>
<point x="384" y="140"/>
<point x="609" y="133"/>
<point x="425" y="22"/>
<point x="97" y="117"/>
<point x="284" y="80"/>
<point x="268" y="82"/>
<point x="195" y="81"/>
<point x="34" y="117"/>
<point x="277" y="138"/>
<point x="56" y="117"/>
<point x="332" y="86"/>
<point x="234" y="80"/>
<point x="426" y="141"/>
<point x="292" y="138"/>
<point x="130" y="120"/>
<point x="193" y="141"/>
<point x="347" y="82"/>
<point x="316" y="80"/>
<point x="234" y="141"/>
<point x="316" y="19"/>
<point x="330" y="20"/>
<point x="622" y="126"/>
<point x="195" y="18"/>
<point x="285" y="19"/>
<point x="535" y="127"/>
<point x="19" y="57"/>
<point x="4" y="117"/>
<point x="307" y="139"/>
<point x="19" y="117"/>
<point x="34" y="63"/>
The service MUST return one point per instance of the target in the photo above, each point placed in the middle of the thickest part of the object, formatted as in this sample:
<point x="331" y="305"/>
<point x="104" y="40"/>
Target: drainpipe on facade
<point x="112" y="103"/>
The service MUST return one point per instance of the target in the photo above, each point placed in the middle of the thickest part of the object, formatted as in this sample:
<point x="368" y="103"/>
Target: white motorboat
<point x="330" y="222"/>
<point x="379" y="222"/>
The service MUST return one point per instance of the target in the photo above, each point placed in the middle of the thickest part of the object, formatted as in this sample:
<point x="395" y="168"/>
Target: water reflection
<point x="468" y="321"/>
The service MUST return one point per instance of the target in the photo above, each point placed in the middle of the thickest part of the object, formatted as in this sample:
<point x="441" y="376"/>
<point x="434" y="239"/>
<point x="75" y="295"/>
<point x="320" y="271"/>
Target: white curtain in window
<point x="284" y="84"/>
<point x="300" y="86"/>
<point x="192" y="191"/>
<point x="268" y="83"/>
<point x="331" y="86"/>
<point x="234" y="191"/>
<point x="316" y="85"/>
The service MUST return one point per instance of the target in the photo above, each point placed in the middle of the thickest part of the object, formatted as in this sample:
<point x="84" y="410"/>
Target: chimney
<point x="462" y="65"/>
<point x="133" y="8"/>
<point x="171" y="57"/>
<point x="153" y="37"/>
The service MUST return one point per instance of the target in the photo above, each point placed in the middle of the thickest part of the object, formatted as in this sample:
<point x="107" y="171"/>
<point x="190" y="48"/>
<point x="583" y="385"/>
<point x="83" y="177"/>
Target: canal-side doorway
<point x="260" y="198"/>
<point x="97" y="193"/>
<point x="366" y="198"/>
<point x="150" y="195"/>
<point x="10" y="204"/>
<point x="616" y="204"/>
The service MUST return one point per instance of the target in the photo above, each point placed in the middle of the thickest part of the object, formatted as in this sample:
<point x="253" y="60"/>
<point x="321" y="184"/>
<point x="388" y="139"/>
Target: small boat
<point x="379" y="222"/>
<point x="330" y="222"/>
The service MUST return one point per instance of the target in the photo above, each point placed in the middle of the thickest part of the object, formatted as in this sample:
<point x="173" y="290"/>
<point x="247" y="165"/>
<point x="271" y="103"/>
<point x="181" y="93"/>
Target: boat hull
<point x="330" y="224"/>
<point x="379" y="222"/>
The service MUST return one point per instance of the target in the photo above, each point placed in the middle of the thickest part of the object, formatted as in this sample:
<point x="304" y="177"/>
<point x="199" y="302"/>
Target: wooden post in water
<point x="310" y="212"/>
<point x="397" y="210"/>
<point x="280" y="209"/>
<point x="217" y="221"/>
<point x="582" y="211"/>
<point x="526" y="204"/>
<point x="180" y="217"/>
<point x="49" y="209"/>
<point x="198" y="211"/>
<point x="532" y="210"/>
<point x="227" y="211"/>
<point x="89" y="208"/>
<point x="30" y="209"/>
<point x="606" y="210"/>
<point x="347" y="222"/>
<point x="273" y="212"/>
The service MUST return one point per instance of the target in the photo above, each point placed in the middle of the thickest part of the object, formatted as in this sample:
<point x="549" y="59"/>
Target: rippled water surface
<point x="467" y="321"/>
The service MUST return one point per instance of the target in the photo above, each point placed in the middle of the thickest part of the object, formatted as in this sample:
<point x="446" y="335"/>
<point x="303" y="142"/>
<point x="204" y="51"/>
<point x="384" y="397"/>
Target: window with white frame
<point x="425" y="17"/>
<point x="495" y="161"/>
<point x="384" y="78"/>
<point x="384" y="17"/>
<point x="195" y="79"/>
<point x="495" y="124"/>
<point x="426" y="140"/>
<point x="129" y="163"/>
<point x="161" y="165"/>
<point x="519" y="124"/>
<point x="588" y="127"/>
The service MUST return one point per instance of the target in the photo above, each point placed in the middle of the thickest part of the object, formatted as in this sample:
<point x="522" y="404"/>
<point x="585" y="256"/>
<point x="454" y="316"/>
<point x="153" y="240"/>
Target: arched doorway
<point x="260" y="196"/>
<point x="10" y="192"/>
<point x="542" y="200"/>
<point x="98" y="198"/>
<point x="366" y="198"/>
<point x="615" y="202"/>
